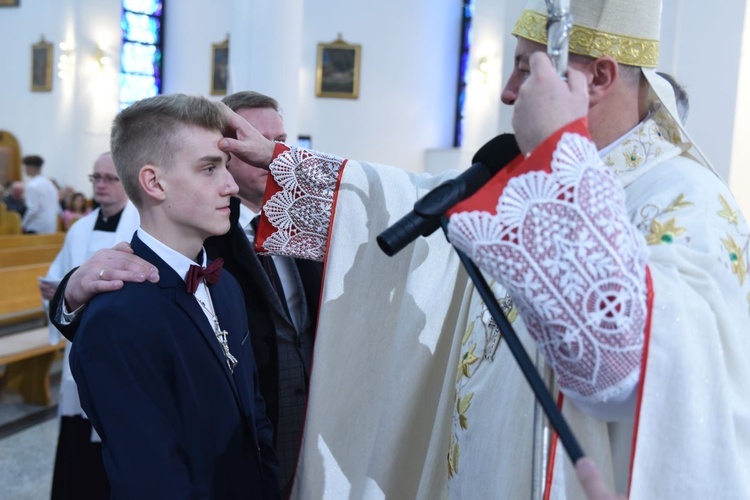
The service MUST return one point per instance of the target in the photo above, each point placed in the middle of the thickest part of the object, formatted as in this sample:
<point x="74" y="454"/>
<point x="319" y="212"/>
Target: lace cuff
<point x="559" y="239"/>
<point x="298" y="203"/>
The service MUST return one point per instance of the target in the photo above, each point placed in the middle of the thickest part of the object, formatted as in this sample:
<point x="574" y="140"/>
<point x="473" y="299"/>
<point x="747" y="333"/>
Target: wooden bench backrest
<point x="19" y="293"/>
<point x="26" y="344"/>
<point x="22" y="256"/>
<point x="10" y="222"/>
<point x="30" y="240"/>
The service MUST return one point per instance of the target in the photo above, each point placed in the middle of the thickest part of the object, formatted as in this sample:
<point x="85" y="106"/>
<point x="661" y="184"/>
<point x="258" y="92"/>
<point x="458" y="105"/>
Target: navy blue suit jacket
<point x="174" y="421"/>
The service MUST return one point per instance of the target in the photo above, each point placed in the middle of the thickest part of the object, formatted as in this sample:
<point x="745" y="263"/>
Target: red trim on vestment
<point x="540" y="159"/>
<point x="330" y="226"/>
<point x="644" y="360"/>
<point x="265" y="230"/>
<point x="552" y="454"/>
<point x="320" y="299"/>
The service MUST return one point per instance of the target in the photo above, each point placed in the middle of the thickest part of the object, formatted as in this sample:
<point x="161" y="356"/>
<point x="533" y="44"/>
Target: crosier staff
<point x="559" y="22"/>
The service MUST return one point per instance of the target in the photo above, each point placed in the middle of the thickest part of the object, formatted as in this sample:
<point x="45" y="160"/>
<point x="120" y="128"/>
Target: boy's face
<point x="198" y="186"/>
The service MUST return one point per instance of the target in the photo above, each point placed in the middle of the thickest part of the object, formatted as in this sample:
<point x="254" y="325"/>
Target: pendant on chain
<point x="221" y="336"/>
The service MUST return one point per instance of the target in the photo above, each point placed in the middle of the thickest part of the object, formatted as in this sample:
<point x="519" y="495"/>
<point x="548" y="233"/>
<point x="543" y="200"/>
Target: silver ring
<point x="101" y="274"/>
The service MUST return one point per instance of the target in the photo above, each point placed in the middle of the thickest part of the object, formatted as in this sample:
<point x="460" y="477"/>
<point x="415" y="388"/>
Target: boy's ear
<point x="150" y="182"/>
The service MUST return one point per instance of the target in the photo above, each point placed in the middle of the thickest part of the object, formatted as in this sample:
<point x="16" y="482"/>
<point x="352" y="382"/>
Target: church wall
<point x="701" y="47"/>
<point x="407" y="85"/>
<point x="68" y="126"/>
<point x="739" y="176"/>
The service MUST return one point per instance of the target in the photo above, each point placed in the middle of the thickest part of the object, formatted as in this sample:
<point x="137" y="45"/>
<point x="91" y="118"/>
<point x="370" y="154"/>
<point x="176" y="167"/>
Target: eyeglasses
<point x="107" y="179"/>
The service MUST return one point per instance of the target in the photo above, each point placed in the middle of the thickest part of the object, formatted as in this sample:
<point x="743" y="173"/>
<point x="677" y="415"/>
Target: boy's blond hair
<point x="148" y="133"/>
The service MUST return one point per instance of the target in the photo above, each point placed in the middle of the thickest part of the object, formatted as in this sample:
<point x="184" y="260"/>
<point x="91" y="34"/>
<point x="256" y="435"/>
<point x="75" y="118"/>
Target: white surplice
<point x="81" y="241"/>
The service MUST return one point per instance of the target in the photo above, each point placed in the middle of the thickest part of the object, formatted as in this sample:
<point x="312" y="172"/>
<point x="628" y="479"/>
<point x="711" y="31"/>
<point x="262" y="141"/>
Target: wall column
<point x="265" y="55"/>
<point x="739" y="168"/>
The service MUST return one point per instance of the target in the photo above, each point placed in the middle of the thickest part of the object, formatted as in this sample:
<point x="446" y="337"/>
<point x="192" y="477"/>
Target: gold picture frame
<point x="220" y="67"/>
<point x="41" y="66"/>
<point x="337" y="70"/>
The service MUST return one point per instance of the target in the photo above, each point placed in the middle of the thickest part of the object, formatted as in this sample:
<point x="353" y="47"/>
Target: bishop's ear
<point x="604" y="72"/>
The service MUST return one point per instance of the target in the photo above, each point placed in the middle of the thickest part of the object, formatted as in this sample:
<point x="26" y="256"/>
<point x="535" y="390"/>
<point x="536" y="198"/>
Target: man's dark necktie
<point x="210" y="274"/>
<point x="270" y="268"/>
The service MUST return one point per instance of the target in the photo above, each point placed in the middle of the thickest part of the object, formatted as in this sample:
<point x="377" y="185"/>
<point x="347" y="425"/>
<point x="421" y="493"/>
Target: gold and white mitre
<point x="626" y="30"/>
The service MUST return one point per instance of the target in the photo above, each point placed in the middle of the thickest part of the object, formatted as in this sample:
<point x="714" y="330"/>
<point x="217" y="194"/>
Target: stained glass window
<point x="463" y="71"/>
<point x="141" y="54"/>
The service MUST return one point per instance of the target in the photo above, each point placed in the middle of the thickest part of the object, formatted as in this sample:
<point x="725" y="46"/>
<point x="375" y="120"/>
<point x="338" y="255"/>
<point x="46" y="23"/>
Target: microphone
<point x="425" y="218"/>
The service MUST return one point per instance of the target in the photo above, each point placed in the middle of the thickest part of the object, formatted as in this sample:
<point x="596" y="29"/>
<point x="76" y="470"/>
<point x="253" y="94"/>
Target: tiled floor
<point x="26" y="461"/>
<point x="28" y="438"/>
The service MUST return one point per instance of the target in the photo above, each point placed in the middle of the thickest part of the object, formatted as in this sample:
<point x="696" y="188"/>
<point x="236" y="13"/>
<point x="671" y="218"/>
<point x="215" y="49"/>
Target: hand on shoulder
<point x="106" y="271"/>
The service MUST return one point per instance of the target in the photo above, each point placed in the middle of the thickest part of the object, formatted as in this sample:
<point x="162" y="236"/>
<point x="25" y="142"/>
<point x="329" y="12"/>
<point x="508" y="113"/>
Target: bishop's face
<point x="524" y="49"/>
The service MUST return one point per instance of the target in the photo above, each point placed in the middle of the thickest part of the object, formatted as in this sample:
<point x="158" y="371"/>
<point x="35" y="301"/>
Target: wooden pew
<point x="10" y="222"/>
<point x="28" y="357"/>
<point x="27" y="354"/>
<point x="20" y="300"/>
<point x="21" y="256"/>
<point x="31" y="240"/>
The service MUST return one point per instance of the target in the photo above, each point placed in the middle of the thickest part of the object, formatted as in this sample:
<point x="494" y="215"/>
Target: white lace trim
<point x="301" y="211"/>
<point x="563" y="246"/>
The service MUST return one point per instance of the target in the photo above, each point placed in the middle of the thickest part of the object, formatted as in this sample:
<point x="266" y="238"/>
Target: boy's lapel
<point x="236" y="340"/>
<point x="187" y="302"/>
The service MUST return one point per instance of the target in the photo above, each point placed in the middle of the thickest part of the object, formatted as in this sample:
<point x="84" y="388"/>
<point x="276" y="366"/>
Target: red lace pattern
<point x="301" y="211"/>
<point x="563" y="246"/>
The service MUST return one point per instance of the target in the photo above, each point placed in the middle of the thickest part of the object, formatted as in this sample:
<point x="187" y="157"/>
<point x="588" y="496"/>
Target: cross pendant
<point x="221" y="335"/>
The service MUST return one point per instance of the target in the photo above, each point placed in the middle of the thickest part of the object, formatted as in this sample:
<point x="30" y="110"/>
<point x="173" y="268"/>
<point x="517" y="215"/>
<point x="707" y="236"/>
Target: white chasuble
<point x="414" y="395"/>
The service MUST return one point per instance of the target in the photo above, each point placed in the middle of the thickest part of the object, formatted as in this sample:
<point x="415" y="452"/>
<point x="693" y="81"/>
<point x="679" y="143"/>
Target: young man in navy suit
<point x="165" y="370"/>
<point x="282" y="311"/>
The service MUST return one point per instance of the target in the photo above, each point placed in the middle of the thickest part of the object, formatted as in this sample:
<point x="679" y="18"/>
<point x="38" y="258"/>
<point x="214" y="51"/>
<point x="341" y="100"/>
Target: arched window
<point x="141" y="53"/>
<point x="463" y="68"/>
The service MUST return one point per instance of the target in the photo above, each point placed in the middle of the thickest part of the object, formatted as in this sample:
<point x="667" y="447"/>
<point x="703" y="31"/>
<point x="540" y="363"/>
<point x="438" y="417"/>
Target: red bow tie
<point x="196" y="273"/>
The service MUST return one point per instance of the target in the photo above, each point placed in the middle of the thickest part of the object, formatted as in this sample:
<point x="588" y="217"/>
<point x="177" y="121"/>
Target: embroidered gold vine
<point x="736" y="245"/>
<point x="645" y="144"/>
<point x="469" y="363"/>
<point x="658" y="232"/>
<point x="625" y="49"/>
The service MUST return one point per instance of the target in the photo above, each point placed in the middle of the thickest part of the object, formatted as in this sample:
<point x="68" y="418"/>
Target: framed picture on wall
<point x="219" y="67"/>
<point x="41" y="66"/>
<point x="337" y="71"/>
<point x="9" y="3"/>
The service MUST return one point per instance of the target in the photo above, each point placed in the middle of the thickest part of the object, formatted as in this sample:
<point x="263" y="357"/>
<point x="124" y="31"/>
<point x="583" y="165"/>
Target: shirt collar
<point x="246" y="215"/>
<point x="174" y="259"/>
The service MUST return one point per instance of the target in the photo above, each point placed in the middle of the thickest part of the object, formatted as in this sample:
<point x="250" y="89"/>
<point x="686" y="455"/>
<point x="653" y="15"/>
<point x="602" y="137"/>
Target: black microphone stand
<point x="519" y="353"/>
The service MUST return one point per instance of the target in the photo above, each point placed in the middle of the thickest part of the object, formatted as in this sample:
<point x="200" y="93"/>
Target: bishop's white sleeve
<point x="298" y="203"/>
<point x="560" y="240"/>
